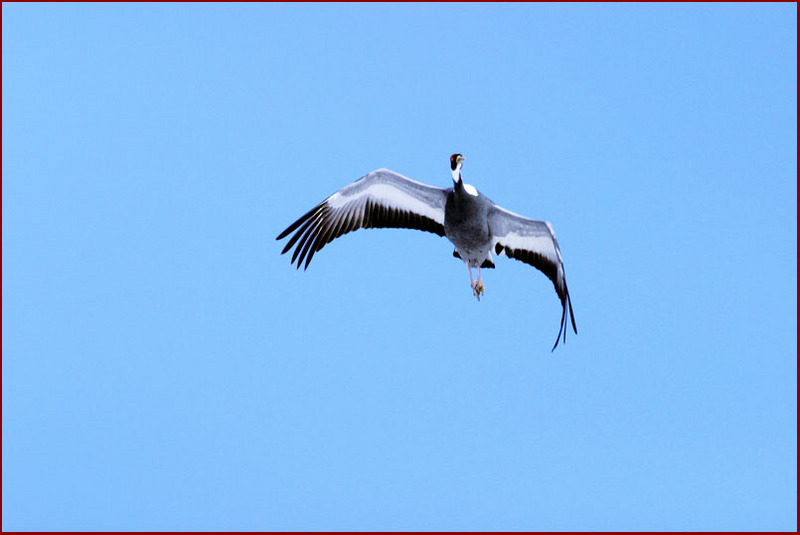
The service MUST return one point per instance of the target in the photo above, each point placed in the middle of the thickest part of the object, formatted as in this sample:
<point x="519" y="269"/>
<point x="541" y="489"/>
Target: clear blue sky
<point x="164" y="367"/>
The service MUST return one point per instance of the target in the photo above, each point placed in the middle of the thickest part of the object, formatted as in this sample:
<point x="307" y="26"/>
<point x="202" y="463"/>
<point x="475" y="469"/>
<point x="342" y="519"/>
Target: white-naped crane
<point x="476" y="226"/>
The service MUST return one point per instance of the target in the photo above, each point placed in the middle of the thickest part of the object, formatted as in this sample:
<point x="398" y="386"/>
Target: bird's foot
<point x="478" y="289"/>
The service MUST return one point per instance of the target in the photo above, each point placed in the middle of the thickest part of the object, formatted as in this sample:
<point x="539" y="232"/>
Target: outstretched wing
<point x="534" y="243"/>
<point x="380" y="199"/>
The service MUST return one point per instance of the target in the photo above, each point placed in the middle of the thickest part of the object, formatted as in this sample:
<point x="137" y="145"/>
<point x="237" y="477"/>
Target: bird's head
<point x="456" y="161"/>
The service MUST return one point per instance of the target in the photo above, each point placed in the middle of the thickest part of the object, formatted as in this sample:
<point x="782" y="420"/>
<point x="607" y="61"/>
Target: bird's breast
<point x="466" y="223"/>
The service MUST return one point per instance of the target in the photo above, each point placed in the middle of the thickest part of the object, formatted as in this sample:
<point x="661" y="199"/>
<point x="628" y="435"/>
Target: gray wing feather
<point x="533" y="242"/>
<point x="380" y="199"/>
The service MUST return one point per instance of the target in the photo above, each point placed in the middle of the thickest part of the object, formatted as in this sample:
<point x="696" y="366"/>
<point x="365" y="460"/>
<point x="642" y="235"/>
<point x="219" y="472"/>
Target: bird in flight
<point x="475" y="225"/>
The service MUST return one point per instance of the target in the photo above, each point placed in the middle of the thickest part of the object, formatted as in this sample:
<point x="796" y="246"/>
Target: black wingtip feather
<point x="305" y="233"/>
<point x="571" y="314"/>
<point x="308" y="241"/>
<point x="566" y="310"/>
<point x="299" y="222"/>
<point x="309" y="219"/>
<point x="561" y="328"/>
<point x="550" y="270"/>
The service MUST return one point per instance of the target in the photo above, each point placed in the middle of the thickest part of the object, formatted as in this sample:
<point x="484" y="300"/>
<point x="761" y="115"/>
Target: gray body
<point x="466" y="224"/>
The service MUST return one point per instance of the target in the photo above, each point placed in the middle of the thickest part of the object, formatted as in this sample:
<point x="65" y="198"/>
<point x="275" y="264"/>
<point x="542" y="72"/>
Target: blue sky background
<point x="165" y="368"/>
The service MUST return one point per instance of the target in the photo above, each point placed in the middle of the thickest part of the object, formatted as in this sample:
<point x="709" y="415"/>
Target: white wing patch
<point x="541" y="244"/>
<point x="389" y="197"/>
<point x="553" y="232"/>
